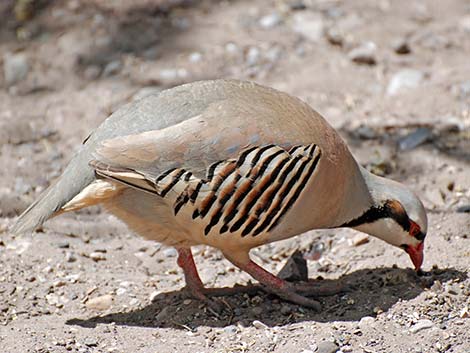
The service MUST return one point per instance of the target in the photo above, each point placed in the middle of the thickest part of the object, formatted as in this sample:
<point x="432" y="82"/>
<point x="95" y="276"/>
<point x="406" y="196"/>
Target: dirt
<point x="84" y="283"/>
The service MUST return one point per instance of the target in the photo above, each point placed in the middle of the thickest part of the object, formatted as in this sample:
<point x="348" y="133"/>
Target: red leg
<point x="274" y="284"/>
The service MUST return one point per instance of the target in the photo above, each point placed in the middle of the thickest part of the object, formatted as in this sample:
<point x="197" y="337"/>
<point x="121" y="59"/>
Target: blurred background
<point x="392" y="76"/>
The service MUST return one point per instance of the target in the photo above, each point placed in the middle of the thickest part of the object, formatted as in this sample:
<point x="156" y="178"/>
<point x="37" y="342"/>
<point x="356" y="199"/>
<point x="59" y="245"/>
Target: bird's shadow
<point x="370" y="291"/>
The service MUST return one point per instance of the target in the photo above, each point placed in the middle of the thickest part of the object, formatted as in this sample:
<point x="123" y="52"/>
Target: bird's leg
<point x="194" y="285"/>
<point x="272" y="283"/>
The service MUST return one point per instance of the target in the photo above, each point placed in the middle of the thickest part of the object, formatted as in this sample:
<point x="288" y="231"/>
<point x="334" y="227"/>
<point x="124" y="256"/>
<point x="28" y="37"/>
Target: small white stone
<point x="231" y="329"/>
<point x="195" y="57"/>
<point x="170" y="252"/>
<point x="100" y="303"/>
<point x="259" y="325"/>
<point x="421" y="325"/>
<point x="154" y="295"/>
<point x="404" y="80"/>
<point x="97" y="256"/>
<point x="308" y="25"/>
<point x="270" y="21"/>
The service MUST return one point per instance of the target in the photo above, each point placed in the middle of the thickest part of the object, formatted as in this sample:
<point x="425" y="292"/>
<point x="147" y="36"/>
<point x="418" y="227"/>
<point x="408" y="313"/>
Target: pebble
<point x="100" y="303"/>
<point x="231" y="329"/>
<point x="259" y="325"/>
<point x="464" y="313"/>
<point x="154" y="295"/>
<point x="63" y="245"/>
<point x="170" y="252"/>
<point x="286" y="310"/>
<point x="134" y="302"/>
<point x="195" y="57"/>
<point x="404" y="80"/>
<point x="308" y="25"/>
<point x="327" y="347"/>
<point x="360" y="239"/>
<point x="366" y="321"/>
<point x="401" y="46"/>
<point x="295" y="268"/>
<point x="252" y="56"/>
<point x="415" y="138"/>
<point x="97" y="256"/>
<point x="334" y="36"/>
<point x="91" y="342"/>
<point x="121" y="291"/>
<point x="70" y="257"/>
<point x="421" y="325"/>
<point x="163" y="314"/>
<point x="170" y="75"/>
<point x="257" y="311"/>
<point x="364" y="54"/>
<point x="112" y="68"/>
<point x="270" y="21"/>
<point x="15" y="68"/>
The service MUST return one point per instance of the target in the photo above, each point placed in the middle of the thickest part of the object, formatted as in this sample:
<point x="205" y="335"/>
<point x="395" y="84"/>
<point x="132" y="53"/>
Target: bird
<point x="232" y="165"/>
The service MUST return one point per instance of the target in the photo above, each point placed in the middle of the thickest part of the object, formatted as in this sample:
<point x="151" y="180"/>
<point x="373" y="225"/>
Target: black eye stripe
<point x="385" y="211"/>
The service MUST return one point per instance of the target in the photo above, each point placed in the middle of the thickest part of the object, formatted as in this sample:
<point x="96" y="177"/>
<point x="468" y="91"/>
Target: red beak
<point x="416" y="255"/>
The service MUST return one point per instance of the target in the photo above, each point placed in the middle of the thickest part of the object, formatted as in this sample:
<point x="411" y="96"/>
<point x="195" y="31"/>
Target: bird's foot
<point x="203" y="295"/>
<point x="315" y="288"/>
<point x="290" y="293"/>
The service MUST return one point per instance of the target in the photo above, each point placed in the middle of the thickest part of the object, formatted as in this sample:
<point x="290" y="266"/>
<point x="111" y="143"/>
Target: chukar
<point x="232" y="165"/>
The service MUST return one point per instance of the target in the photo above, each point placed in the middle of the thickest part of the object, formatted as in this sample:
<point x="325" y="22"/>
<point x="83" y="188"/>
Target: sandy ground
<point x="377" y="70"/>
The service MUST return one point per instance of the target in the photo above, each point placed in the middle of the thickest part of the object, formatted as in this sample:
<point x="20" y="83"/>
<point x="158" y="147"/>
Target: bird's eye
<point x="415" y="229"/>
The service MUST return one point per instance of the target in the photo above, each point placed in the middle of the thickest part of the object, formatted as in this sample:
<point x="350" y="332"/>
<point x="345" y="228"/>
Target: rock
<point x="259" y="325"/>
<point x="63" y="245"/>
<point x="100" y="303"/>
<point x="252" y="56"/>
<point x="365" y="132"/>
<point x="308" y="25"/>
<point x="171" y="76"/>
<point x="70" y="257"/>
<point x="15" y="68"/>
<point x="286" y="310"/>
<point x="415" y="138"/>
<point x="170" y="252"/>
<point x="334" y="36"/>
<point x="154" y="295"/>
<point x="360" y="239"/>
<point x="295" y="268"/>
<point x="112" y="68"/>
<point x="163" y="314"/>
<point x="462" y="90"/>
<point x="90" y="342"/>
<point x="97" y="256"/>
<point x="421" y="325"/>
<point x="463" y="209"/>
<point x="257" y="311"/>
<point x="401" y="46"/>
<point x="364" y="54"/>
<point x="231" y="329"/>
<point x="464" y="313"/>
<point x="327" y="347"/>
<point x="366" y="321"/>
<point x="270" y="21"/>
<point x="195" y="57"/>
<point x="404" y="80"/>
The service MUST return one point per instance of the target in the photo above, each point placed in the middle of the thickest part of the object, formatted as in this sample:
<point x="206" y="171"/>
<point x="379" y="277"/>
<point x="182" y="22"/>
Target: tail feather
<point x="76" y="176"/>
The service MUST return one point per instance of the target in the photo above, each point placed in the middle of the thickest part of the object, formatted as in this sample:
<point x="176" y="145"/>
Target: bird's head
<point x="397" y="216"/>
